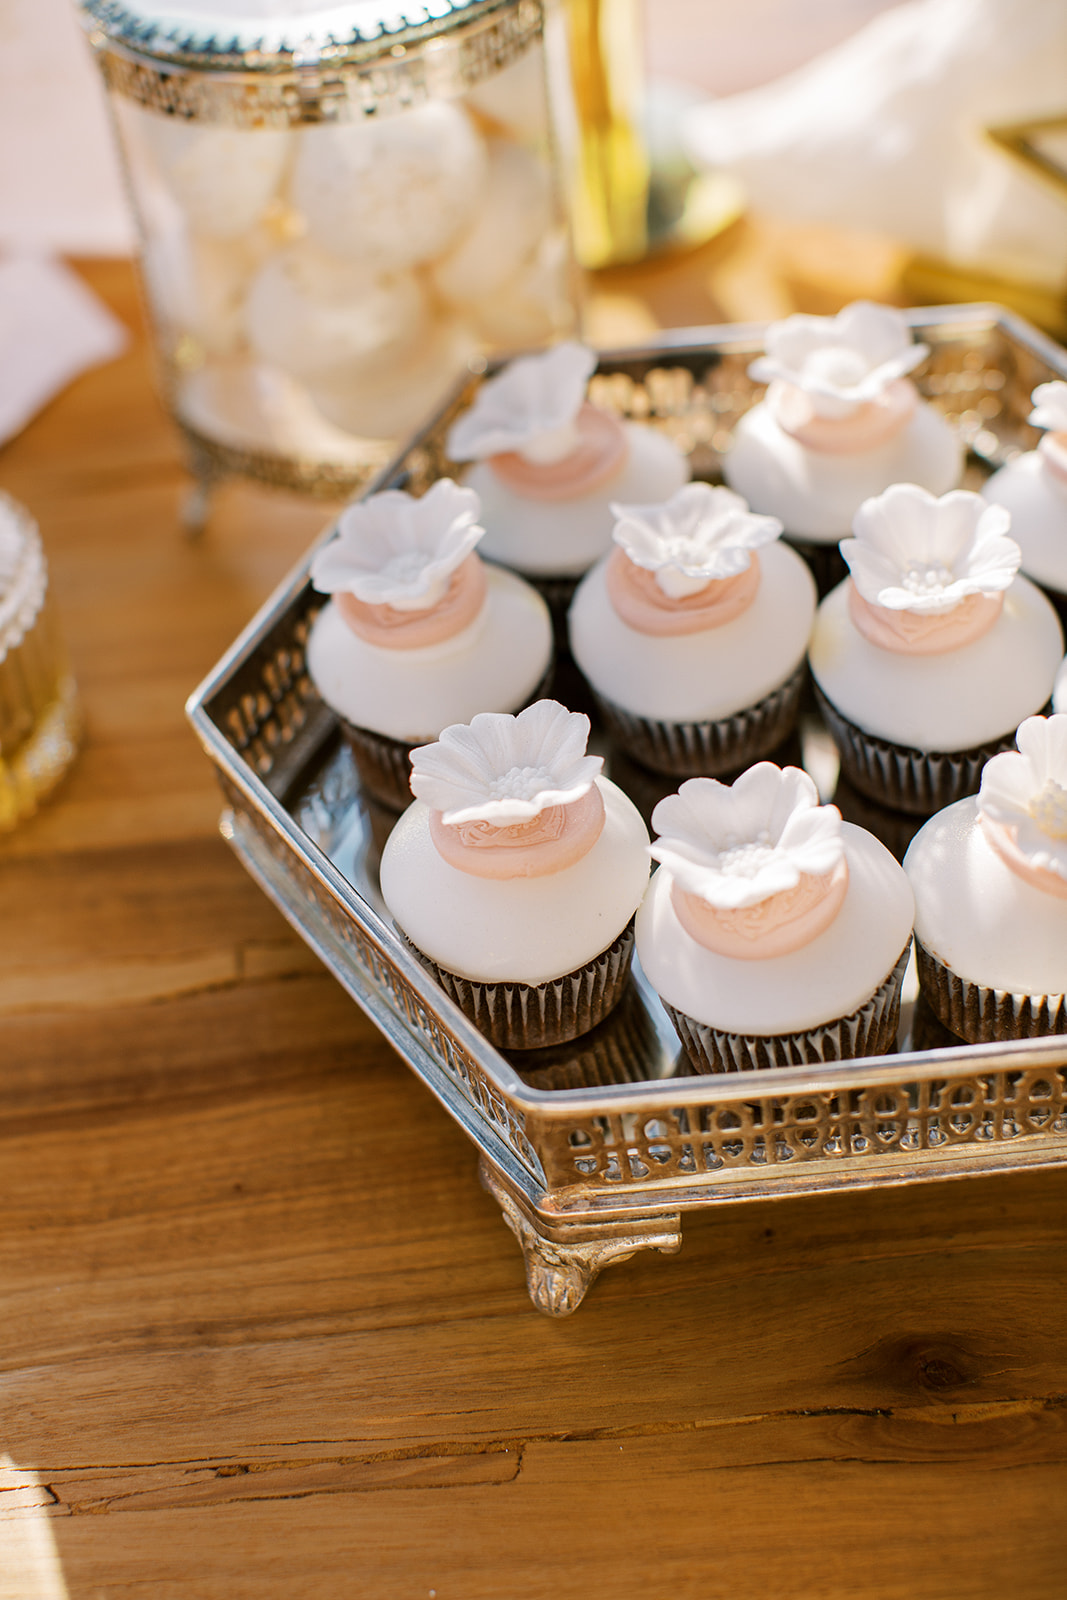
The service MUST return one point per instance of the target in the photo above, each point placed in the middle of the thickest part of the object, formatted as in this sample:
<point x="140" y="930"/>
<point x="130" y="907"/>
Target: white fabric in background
<point x="52" y="328"/>
<point x="885" y="132"/>
<point x="60" y="183"/>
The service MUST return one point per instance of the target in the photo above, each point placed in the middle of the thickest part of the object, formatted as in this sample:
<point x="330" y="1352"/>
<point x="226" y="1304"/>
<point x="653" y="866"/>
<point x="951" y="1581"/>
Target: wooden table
<point x="241" y="1356"/>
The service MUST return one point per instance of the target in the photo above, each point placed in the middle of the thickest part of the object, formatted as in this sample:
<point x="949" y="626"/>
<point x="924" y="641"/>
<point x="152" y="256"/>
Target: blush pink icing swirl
<point x="914" y="633"/>
<point x="872" y="424"/>
<point x="783" y="922"/>
<point x="549" y="842"/>
<point x="394" y="629"/>
<point x="1004" y="840"/>
<point x="640" y="602"/>
<point x="1052" y="448"/>
<point x="598" y="456"/>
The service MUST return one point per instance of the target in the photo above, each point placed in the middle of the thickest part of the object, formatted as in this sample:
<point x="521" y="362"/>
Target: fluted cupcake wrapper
<point x="871" y="1030"/>
<point x="523" y="1016"/>
<point x="978" y="1013"/>
<point x="384" y="764"/>
<point x="919" y="781"/>
<point x="705" y="749"/>
<point x="618" y="1050"/>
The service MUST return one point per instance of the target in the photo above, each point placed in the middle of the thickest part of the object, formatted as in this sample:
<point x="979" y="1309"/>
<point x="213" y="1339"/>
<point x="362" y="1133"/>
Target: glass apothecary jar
<point x="340" y="207"/>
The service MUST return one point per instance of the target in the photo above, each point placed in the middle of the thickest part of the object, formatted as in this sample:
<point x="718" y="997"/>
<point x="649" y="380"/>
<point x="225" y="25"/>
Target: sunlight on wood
<point x="29" y="1563"/>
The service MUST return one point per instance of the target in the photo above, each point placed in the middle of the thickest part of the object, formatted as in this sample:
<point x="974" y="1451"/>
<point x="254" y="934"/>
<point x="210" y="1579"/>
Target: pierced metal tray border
<point x="588" y="1175"/>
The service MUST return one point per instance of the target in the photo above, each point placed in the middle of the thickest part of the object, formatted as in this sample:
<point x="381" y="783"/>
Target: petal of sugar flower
<point x="952" y="543"/>
<point x="701" y="531"/>
<point x="1007" y="787"/>
<point x="877" y="335"/>
<point x="394" y="546"/>
<point x="467" y="773"/>
<point x="1050" y="403"/>
<point x="1043" y="741"/>
<point x="532" y="395"/>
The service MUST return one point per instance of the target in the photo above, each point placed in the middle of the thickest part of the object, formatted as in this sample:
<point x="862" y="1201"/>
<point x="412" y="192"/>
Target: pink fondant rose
<point x="759" y="866"/>
<point x="928" y="574"/>
<point x="1022" y="803"/>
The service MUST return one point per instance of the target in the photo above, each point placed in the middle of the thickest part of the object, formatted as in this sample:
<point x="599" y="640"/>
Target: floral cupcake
<point x="516" y="874"/>
<point x="773" y="932"/>
<point x="547" y="465"/>
<point x="841" y="421"/>
<point x="1034" y="489"/>
<point x="929" y="656"/>
<point x="420" y="633"/>
<point x="990" y="881"/>
<point x="692" y="633"/>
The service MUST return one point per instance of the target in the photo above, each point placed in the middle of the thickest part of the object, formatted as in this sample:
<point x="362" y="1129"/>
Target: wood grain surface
<point x="246" y="1351"/>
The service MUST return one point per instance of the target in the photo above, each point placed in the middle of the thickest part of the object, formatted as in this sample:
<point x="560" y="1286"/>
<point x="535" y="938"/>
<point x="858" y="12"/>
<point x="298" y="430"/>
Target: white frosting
<point x="1037" y="500"/>
<point x="519" y="930"/>
<point x="514" y="212"/>
<point x="391" y="402"/>
<point x="830" y="977"/>
<point x="952" y="701"/>
<point x="697" y="677"/>
<point x="492" y="665"/>
<point x="816" y="495"/>
<point x="979" y="917"/>
<point x="318" y="317"/>
<point x="391" y="193"/>
<point x="564" y="538"/>
<point x="223" y="178"/>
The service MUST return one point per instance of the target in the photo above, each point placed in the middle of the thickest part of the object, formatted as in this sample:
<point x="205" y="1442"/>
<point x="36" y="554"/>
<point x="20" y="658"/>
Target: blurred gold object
<point x="40" y="719"/>
<point x="611" y="176"/>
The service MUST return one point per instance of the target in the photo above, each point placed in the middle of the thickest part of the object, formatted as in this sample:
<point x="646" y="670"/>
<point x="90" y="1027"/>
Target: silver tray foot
<point x="559" y="1274"/>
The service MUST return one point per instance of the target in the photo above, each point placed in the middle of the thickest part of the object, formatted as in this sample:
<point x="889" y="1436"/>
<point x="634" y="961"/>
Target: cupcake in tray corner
<point x="774" y="933"/>
<point x="841" y="421"/>
<point x="547" y="465"/>
<point x="692" y="633"/>
<point x="990" y="881"/>
<point x="1034" y="489"/>
<point x="419" y="633"/>
<point x="516" y="874"/>
<point x="929" y="656"/>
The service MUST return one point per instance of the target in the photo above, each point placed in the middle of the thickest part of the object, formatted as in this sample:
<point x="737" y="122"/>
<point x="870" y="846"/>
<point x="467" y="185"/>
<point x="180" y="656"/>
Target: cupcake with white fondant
<point x="774" y="933"/>
<point x="931" y="653"/>
<point x="990" y="881"/>
<point x="693" y="631"/>
<point x="516" y="874"/>
<point x="1034" y="489"/>
<point x="547" y="466"/>
<point x="419" y="632"/>
<point x="840" y="422"/>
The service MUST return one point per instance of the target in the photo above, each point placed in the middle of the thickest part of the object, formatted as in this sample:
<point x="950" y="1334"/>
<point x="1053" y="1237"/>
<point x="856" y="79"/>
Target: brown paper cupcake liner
<point x="384" y="764"/>
<point x="894" y="829"/>
<point x="707" y="749"/>
<point x="871" y="1030"/>
<point x="977" y="1013"/>
<point x="919" y="781"/>
<point x="621" y="1049"/>
<point x="523" y="1016"/>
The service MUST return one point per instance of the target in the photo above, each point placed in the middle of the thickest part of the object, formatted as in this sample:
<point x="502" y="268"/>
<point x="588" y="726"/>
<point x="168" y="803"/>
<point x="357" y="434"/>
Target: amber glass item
<point x="610" y="165"/>
<point x="342" y="207"/>
<point x="39" y="715"/>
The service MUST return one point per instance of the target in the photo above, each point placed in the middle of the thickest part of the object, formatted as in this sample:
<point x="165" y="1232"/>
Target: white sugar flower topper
<point x="1050" y="407"/>
<point x="1027" y="793"/>
<point x="840" y="362"/>
<point x="530" y="407"/>
<point x="915" y="552"/>
<point x="393" y="549"/>
<point x="503" y="769"/>
<point x="736" y="845"/>
<point x="699" y="534"/>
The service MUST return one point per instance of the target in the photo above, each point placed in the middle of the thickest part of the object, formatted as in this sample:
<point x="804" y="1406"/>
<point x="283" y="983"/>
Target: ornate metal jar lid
<point x="267" y="36"/>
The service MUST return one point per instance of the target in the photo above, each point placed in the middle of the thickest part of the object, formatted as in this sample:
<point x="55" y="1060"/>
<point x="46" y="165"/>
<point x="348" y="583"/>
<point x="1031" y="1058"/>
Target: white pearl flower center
<point x="836" y="365"/>
<point x="1049" y="809"/>
<point x="746" y="860"/>
<point x="521" y="783"/>
<point x="923" y="579"/>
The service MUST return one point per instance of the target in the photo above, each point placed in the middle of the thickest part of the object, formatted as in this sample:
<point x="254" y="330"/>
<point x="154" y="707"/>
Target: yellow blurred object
<point x="610" y="179"/>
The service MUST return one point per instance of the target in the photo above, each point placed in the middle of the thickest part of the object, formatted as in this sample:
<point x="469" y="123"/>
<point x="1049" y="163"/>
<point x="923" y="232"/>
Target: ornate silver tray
<point x="595" y="1150"/>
